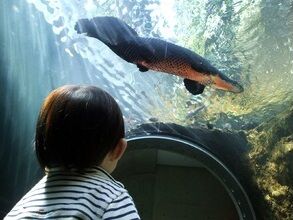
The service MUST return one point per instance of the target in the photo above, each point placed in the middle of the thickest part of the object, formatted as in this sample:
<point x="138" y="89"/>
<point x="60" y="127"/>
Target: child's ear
<point x="119" y="149"/>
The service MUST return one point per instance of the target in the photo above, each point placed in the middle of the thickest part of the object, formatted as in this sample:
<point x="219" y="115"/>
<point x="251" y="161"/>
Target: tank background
<point x="271" y="156"/>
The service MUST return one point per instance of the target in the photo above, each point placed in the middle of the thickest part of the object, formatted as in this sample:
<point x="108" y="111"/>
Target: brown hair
<point x="77" y="126"/>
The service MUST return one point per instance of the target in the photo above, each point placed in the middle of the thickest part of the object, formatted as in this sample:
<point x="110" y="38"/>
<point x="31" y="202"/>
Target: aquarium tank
<point x="249" y="41"/>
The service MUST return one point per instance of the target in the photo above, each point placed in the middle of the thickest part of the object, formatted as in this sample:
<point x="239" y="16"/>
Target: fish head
<point x="237" y="88"/>
<point x="224" y="83"/>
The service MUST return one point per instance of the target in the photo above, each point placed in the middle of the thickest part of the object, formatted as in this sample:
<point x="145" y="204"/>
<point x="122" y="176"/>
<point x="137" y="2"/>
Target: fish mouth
<point x="237" y="88"/>
<point x="227" y="84"/>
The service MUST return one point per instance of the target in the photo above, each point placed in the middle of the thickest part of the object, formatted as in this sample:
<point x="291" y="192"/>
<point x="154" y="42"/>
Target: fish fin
<point x="110" y="30"/>
<point x="142" y="68"/>
<point x="193" y="87"/>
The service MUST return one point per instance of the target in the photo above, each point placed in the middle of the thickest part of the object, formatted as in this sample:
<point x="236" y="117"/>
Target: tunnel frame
<point x="208" y="160"/>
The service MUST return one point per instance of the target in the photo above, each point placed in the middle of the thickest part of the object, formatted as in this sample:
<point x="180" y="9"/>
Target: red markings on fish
<point x="157" y="55"/>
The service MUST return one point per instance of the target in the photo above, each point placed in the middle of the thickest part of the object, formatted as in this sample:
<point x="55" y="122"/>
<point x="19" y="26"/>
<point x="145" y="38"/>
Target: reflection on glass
<point x="249" y="41"/>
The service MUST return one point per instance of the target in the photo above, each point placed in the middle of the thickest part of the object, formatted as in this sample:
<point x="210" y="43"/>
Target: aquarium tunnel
<point x="216" y="150"/>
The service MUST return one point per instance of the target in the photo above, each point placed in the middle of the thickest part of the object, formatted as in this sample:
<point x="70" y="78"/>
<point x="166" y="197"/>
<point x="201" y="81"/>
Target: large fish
<point x="156" y="54"/>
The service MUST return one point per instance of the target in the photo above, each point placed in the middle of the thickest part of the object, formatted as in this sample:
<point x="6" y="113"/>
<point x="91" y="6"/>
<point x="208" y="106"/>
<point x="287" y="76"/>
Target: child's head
<point x="78" y="127"/>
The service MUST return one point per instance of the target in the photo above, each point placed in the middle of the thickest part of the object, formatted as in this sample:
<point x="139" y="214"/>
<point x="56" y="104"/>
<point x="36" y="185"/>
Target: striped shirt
<point x="90" y="194"/>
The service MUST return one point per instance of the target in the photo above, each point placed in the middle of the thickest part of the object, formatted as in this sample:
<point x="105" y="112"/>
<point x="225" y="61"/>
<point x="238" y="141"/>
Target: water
<point x="250" y="41"/>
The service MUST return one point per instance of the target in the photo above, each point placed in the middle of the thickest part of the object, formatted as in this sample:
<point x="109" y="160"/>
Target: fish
<point x="156" y="54"/>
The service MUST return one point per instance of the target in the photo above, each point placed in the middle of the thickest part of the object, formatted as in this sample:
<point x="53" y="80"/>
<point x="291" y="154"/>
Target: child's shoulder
<point x="106" y="182"/>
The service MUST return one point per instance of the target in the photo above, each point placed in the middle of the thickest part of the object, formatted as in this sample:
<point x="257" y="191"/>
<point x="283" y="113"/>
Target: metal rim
<point x="194" y="150"/>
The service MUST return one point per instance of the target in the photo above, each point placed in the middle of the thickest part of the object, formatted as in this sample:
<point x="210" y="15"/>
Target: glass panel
<point x="248" y="41"/>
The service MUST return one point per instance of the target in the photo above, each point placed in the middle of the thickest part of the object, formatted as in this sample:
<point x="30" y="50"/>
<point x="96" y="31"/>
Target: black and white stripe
<point x="92" y="194"/>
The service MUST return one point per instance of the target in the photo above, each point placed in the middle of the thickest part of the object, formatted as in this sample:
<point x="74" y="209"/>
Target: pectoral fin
<point x="193" y="87"/>
<point x="142" y="68"/>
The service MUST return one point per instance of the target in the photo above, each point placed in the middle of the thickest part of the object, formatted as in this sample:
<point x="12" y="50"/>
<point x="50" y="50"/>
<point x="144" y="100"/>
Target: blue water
<point x="250" y="41"/>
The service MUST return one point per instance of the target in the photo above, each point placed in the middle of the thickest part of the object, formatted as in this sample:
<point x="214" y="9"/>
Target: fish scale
<point x="169" y="65"/>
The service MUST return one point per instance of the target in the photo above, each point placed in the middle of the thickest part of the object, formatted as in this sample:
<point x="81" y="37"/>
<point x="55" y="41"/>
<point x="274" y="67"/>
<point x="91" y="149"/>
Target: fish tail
<point x="109" y="30"/>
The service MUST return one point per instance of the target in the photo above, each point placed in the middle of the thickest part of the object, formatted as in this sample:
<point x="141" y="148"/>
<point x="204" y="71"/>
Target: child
<point x="79" y="140"/>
